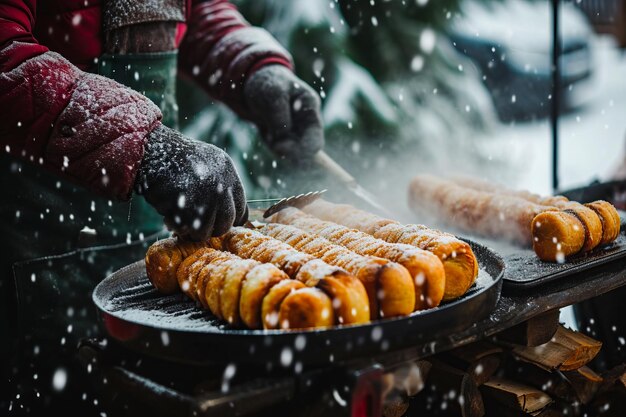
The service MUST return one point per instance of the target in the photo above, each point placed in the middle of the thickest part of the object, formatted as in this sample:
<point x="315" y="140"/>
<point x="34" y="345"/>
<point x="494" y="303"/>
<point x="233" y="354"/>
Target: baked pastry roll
<point x="611" y="222"/>
<point x="554" y="234"/>
<point x="347" y="293"/>
<point x="459" y="262"/>
<point x="425" y="268"/>
<point x="389" y="285"/>
<point x="594" y="222"/>
<point x="162" y="260"/>
<point x="240" y="291"/>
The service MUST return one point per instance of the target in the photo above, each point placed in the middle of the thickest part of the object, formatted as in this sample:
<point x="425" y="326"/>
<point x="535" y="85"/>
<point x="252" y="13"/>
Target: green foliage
<point x="395" y="92"/>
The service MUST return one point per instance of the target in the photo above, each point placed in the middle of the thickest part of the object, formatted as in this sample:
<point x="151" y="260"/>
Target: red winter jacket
<point x="88" y="127"/>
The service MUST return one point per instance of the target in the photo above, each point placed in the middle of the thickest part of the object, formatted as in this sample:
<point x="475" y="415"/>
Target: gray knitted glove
<point x="192" y="184"/>
<point x="287" y="112"/>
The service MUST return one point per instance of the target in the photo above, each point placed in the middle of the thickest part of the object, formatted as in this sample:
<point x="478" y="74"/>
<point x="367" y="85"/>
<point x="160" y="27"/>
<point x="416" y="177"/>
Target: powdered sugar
<point x="251" y="244"/>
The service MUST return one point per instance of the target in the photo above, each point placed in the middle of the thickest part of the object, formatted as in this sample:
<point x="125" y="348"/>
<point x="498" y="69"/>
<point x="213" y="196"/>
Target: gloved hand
<point x="287" y="112"/>
<point x="192" y="184"/>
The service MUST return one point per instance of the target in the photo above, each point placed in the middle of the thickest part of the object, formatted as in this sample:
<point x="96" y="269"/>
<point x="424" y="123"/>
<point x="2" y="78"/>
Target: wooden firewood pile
<point x="538" y="368"/>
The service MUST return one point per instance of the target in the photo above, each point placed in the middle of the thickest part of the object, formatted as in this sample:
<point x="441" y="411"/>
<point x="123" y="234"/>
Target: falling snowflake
<point x="59" y="379"/>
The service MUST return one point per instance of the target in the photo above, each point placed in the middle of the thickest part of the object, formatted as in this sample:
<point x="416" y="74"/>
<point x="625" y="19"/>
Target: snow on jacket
<point x="87" y="127"/>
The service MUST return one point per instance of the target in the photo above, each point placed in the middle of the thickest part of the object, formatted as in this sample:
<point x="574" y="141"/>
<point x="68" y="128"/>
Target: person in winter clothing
<point x="94" y="131"/>
<point x="75" y="138"/>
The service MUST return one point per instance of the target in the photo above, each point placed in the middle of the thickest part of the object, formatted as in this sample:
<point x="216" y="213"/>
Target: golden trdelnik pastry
<point x="555" y="227"/>
<point x="459" y="262"/>
<point x="389" y="285"/>
<point x="240" y="291"/>
<point x="162" y="260"/>
<point x="596" y="233"/>
<point x="347" y="293"/>
<point x="425" y="268"/>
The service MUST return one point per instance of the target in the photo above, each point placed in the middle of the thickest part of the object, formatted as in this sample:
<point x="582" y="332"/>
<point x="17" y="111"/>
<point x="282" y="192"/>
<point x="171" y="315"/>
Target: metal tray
<point x="524" y="271"/>
<point x="174" y="328"/>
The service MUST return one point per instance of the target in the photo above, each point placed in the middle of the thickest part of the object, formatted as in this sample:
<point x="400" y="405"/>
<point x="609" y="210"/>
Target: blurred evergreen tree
<point x="397" y="97"/>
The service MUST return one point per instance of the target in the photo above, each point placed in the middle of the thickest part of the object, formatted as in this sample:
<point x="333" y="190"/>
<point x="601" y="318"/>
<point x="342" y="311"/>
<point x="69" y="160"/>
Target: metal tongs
<point x="297" y="201"/>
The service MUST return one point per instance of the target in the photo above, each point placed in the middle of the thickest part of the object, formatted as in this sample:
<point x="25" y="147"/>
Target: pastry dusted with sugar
<point x="425" y="268"/>
<point x="347" y="293"/>
<point x="554" y="234"/>
<point x="600" y="218"/>
<point x="389" y="285"/>
<point x="459" y="262"/>
<point x="243" y="292"/>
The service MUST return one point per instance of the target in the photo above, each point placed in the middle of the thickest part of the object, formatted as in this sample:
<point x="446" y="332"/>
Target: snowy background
<point x="396" y="93"/>
<point x="592" y="137"/>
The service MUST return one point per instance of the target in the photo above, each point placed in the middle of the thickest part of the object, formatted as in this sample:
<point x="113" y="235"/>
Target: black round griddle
<point x="173" y="327"/>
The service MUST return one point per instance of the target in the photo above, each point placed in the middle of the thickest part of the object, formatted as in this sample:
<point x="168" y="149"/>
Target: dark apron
<point x="59" y="241"/>
<point x="55" y="312"/>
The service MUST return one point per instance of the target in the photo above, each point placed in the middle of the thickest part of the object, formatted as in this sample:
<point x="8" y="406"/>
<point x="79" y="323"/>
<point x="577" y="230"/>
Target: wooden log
<point x="480" y="360"/>
<point x="568" y="350"/>
<point x="500" y="393"/>
<point x="454" y="388"/>
<point x="553" y="383"/>
<point x="560" y="409"/>
<point x="585" y="383"/>
<point x="533" y="332"/>
<point x="614" y="378"/>
<point x="494" y="409"/>
<point x="549" y="412"/>
<point x="610" y="399"/>
<point x="579" y="385"/>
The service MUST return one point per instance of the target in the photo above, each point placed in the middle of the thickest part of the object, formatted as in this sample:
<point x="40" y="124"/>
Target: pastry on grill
<point x="225" y="296"/>
<point x="189" y="269"/>
<point x="591" y="220"/>
<point x="459" y="263"/>
<point x="557" y="235"/>
<point x="491" y="187"/>
<point x="162" y="260"/>
<point x="484" y="213"/>
<point x="389" y="285"/>
<point x="610" y="219"/>
<point x="592" y="225"/>
<point x="347" y="293"/>
<point x="240" y="291"/>
<point x="425" y="268"/>
<point x="605" y="211"/>
<point x="304" y="307"/>
<point x="554" y="234"/>
<point x="274" y="299"/>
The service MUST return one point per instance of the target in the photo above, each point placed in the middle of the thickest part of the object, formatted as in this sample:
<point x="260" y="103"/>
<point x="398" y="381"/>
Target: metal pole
<point x="556" y="81"/>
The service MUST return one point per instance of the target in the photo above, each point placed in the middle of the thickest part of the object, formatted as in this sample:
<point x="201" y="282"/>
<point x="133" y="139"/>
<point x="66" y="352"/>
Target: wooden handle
<point x="326" y="162"/>
<point x="332" y="167"/>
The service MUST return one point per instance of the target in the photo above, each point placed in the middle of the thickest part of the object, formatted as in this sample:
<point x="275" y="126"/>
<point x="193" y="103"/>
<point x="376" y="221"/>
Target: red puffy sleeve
<point x="17" y="18"/>
<point x="83" y="126"/>
<point x="221" y="49"/>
